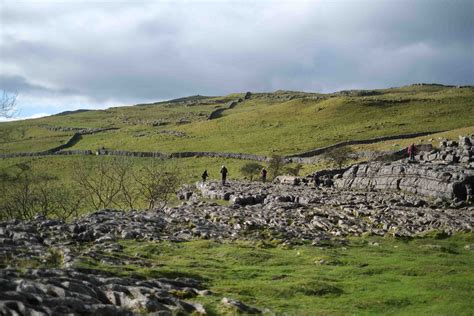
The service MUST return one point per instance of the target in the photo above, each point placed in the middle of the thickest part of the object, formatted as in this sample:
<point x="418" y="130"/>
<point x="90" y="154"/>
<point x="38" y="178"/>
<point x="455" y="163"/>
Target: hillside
<point x="82" y="232"/>
<point x="283" y="122"/>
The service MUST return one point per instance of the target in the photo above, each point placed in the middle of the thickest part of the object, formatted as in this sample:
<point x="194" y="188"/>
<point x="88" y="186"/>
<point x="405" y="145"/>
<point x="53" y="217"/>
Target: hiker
<point x="224" y="174"/>
<point x="317" y="181"/>
<point x="411" y="152"/>
<point x="204" y="176"/>
<point x="264" y="175"/>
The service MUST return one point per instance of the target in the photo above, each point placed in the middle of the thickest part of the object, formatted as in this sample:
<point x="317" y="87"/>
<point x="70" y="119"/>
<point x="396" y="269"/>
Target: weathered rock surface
<point x="391" y="199"/>
<point x="445" y="182"/>
<point x="451" y="152"/>
<point x="74" y="292"/>
<point x="256" y="211"/>
<point x="295" y="212"/>
<point x="446" y="173"/>
<point x="239" y="306"/>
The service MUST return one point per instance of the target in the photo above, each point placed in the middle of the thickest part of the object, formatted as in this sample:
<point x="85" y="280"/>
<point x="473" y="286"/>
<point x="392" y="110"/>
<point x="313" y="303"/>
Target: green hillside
<point x="283" y="122"/>
<point x="429" y="274"/>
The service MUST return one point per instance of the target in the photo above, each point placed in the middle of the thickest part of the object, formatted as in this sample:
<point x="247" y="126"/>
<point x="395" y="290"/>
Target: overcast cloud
<point x="63" y="55"/>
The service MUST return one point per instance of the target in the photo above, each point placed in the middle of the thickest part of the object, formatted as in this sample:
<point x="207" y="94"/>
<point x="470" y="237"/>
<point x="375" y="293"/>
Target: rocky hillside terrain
<point x="48" y="266"/>
<point x="274" y="212"/>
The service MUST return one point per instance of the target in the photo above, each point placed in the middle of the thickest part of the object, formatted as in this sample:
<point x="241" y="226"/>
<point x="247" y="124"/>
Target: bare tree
<point x="251" y="169"/>
<point x="56" y="200"/>
<point x="158" y="181"/>
<point x="102" y="182"/>
<point x="339" y="156"/>
<point x="129" y="194"/>
<point x="68" y="203"/>
<point x="7" y="104"/>
<point x="295" y="171"/>
<point x="19" y="199"/>
<point x="275" y="165"/>
<point x="27" y="193"/>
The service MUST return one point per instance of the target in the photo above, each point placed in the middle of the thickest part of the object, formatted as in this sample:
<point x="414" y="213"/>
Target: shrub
<point x="251" y="169"/>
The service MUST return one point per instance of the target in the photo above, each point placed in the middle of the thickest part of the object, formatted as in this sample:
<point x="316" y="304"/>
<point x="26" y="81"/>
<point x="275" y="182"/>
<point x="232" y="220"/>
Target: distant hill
<point x="281" y="122"/>
<point x="71" y="112"/>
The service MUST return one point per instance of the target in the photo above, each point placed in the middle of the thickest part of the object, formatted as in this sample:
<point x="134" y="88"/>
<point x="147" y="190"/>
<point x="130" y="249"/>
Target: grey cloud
<point x="19" y="84"/>
<point x="158" y="50"/>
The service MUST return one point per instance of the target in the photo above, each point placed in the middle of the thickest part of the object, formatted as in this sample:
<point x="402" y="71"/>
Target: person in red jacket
<point x="411" y="150"/>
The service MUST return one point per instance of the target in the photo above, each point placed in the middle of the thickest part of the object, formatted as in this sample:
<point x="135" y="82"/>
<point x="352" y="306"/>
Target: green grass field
<point x="265" y="124"/>
<point x="367" y="276"/>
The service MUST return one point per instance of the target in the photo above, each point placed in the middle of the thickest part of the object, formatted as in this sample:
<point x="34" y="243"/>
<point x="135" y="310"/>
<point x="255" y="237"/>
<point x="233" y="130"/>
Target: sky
<point x="71" y="54"/>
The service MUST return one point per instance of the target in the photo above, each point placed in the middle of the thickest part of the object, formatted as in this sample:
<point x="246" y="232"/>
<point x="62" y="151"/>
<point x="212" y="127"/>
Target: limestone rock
<point x="239" y="306"/>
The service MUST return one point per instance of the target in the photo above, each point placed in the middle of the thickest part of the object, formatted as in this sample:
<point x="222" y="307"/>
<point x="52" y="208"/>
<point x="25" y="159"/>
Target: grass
<point x="61" y="168"/>
<point x="421" y="276"/>
<point x="265" y="124"/>
<point x="22" y="137"/>
<point x="433" y="139"/>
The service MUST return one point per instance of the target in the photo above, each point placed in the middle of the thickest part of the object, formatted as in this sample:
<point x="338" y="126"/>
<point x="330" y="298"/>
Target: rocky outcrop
<point x="272" y="206"/>
<point x="75" y="292"/>
<point x="260" y="212"/>
<point x="238" y="306"/>
<point x="216" y="113"/>
<point x="451" y="152"/>
<point x="446" y="173"/>
<point x="173" y="133"/>
<point x="444" y="182"/>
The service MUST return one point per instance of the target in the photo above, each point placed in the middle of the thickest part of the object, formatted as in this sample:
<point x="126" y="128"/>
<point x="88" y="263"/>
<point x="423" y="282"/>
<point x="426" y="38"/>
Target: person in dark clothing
<point x="317" y="181"/>
<point x="411" y="152"/>
<point x="204" y="176"/>
<point x="264" y="175"/>
<point x="224" y="174"/>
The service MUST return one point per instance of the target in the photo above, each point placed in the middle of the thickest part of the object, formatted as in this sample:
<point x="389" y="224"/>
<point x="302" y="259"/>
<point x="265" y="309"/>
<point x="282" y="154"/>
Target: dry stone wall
<point x="319" y="151"/>
<point x="81" y="130"/>
<point x="232" y="104"/>
<point x="70" y="142"/>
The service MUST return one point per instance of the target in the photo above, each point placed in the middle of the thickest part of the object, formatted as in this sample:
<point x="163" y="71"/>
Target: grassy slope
<point x="261" y="125"/>
<point x="396" y="278"/>
<point x="298" y="125"/>
<point x="61" y="167"/>
<point x="24" y="136"/>
<point x="427" y="276"/>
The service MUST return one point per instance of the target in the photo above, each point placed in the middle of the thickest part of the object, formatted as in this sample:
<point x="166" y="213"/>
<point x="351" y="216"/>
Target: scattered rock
<point x="239" y="306"/>
<point x="69" y="291"/>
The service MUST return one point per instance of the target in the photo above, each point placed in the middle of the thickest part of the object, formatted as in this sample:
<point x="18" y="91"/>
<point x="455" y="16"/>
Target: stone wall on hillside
<point x="69" y="143"/>
<point x="125" y="153"/>
<point x="81" y="130"/>
<point x="218" y="155"/>
<point x="319" y="151"/>
<point x="232" y="104"/>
